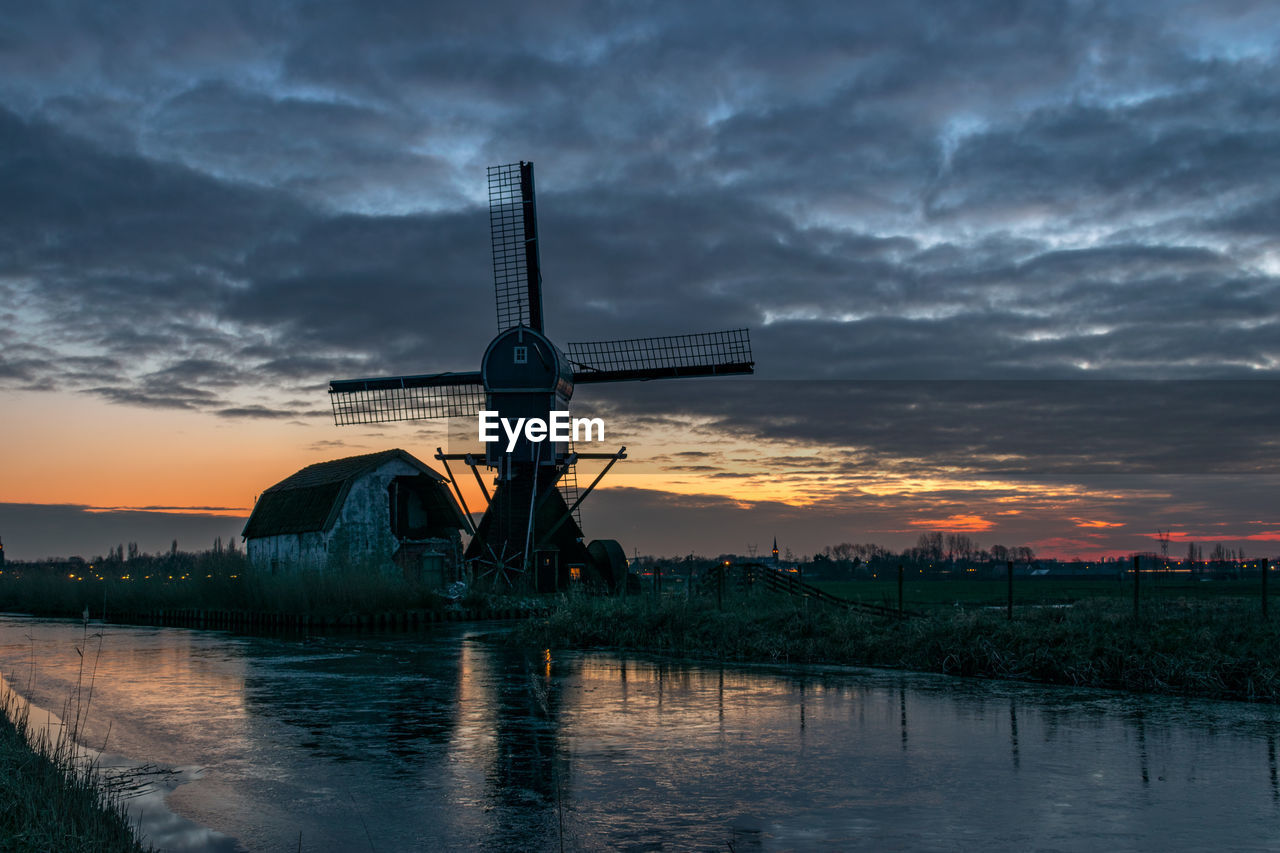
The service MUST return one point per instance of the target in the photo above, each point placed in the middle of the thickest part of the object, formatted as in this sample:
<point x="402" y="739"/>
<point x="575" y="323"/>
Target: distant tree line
<point x="939" y="553"/>
<point x="129" y="560"/>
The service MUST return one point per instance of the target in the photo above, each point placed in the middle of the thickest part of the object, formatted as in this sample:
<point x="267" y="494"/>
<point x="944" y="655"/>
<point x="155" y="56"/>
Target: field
<point x="1207" y="640"/>
<point x="931" y="595"/>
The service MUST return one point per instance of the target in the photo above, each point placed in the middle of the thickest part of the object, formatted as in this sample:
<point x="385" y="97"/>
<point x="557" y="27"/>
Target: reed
<point x="54" y="796"/>
<point x="332" y="592"/>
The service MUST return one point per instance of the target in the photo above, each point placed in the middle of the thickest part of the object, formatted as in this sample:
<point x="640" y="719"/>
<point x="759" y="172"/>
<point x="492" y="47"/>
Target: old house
<point x="381" y="512"/>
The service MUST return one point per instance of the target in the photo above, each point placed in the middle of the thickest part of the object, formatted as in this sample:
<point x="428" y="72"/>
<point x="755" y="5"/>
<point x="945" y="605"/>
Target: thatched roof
<point x="312" y="498"/>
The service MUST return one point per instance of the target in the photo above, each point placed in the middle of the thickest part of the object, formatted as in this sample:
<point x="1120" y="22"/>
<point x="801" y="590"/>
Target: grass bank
<point x="51" y="801"/>
<point x="1215" y="648"/>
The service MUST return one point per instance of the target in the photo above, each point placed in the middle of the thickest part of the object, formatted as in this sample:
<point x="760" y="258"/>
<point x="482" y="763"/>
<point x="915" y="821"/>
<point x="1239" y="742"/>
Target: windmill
<point x="529" y="537"/>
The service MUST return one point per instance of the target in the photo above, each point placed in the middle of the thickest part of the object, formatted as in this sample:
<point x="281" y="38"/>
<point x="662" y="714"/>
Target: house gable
<point x="313" y="499"/>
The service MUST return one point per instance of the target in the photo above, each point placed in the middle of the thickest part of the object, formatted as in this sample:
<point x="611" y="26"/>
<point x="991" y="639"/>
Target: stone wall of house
<point x="361" y="537"/>
<point x="288" y="552"/>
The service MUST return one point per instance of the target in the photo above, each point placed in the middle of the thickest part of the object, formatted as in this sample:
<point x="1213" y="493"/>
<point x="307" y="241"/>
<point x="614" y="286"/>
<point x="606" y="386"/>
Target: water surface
<point x="448" y="740"/>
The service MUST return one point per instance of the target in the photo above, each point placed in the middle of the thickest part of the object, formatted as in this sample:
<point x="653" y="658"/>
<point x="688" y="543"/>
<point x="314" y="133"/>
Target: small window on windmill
<point x="521" y="355"/>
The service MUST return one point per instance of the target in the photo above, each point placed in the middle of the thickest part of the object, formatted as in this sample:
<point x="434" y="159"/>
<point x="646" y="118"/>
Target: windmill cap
<point x="522" y="360"/>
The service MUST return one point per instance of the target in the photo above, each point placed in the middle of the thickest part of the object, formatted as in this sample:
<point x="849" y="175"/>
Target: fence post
<point x="1009" y="572"/>
<point x="899" y="589"/>
<point x="1264" y="587"/>
<point x="1137" y="575"/>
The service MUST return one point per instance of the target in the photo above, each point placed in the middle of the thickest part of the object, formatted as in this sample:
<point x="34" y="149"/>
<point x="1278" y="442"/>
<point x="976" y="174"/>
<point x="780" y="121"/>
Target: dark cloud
<point x="267" y="412"/>
<point x="1027" y="428"/>
<point x="1044" y="188"/>
<point x="219" y="208"/>
<point x="190" y="289"/>
<point x="169" y="397"/>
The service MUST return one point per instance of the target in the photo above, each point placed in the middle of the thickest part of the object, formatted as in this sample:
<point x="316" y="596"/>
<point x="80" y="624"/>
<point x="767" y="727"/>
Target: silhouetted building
<point x="382" y="511"/>
<point x="1" y="553"/>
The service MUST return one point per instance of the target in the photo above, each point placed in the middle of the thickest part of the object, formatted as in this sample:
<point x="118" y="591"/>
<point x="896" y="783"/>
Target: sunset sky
<point x="1010" y="269"/>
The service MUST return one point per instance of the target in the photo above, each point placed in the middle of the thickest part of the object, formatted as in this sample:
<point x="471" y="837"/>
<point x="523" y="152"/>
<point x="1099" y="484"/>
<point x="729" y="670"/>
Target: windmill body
<point x="529" y="537"/>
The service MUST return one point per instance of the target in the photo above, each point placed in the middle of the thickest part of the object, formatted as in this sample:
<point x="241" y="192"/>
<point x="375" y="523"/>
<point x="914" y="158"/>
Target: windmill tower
<point x="529" y="537"/>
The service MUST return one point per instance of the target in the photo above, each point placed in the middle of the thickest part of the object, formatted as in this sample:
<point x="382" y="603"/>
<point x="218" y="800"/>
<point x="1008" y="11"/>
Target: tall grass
<point x="1211" y="648"/>
<point x="54" y="796"/>
<point x="332" y="592"/>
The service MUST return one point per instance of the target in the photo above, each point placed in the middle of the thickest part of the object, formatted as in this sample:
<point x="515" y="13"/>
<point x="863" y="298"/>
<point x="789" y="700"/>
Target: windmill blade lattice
<point x="406" y="398"/>
<point x="513" y="228"/>
<point x="705" y="354"/>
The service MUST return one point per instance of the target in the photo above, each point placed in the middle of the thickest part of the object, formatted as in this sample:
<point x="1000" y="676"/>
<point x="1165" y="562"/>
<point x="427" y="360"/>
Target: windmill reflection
<point x="472" y="717"/>
<point x="528" y="771"/>
<point x="362" y="698"/>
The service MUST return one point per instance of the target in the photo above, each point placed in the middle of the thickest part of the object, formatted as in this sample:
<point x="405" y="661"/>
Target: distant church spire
<point x="775" y="549"/>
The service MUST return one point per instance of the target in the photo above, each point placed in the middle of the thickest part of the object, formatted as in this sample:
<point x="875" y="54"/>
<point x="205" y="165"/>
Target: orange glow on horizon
<point x="77" y="449"/>
<point x="955" y="523"/>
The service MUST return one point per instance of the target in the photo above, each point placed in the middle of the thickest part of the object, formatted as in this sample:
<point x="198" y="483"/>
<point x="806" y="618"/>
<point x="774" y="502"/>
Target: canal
<point x="450" y="739"/>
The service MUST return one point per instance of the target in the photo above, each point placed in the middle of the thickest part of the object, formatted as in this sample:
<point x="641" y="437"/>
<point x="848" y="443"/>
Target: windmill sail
<point x="530" y="537"/>
<point x="406" y="398"/>
<point x="705" y="354"/>
<point x="513" y="228"/>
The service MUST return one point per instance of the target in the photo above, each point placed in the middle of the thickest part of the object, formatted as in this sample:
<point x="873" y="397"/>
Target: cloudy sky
<point x="1011" y="269"/>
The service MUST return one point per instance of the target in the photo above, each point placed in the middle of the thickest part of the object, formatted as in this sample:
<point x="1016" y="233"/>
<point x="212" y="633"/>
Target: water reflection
<point x="1013" y="732"/>
<point x="1271" y="767"/>
<point x="902" y="711"/>
<point x="447" y="740"/>
<point x="348" y="698"/>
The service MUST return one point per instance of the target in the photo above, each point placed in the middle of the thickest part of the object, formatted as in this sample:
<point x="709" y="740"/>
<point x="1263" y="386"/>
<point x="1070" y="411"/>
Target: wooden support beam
<point x="613" y="458"/>
<point x="471" y="460"/>
<point x="466" y="513"/>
